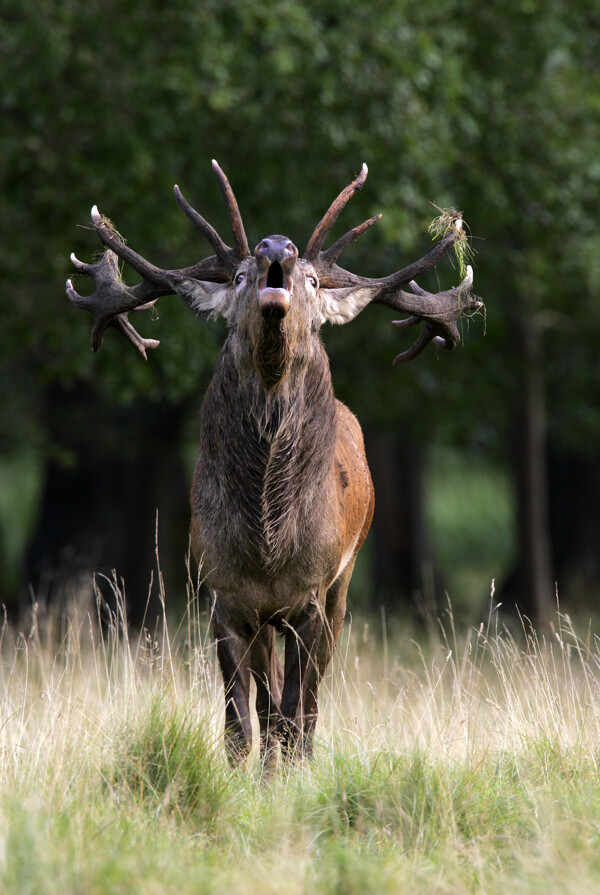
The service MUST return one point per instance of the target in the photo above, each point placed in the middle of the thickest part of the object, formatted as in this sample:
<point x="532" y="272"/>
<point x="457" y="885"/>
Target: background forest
<point x="485" y="461"/>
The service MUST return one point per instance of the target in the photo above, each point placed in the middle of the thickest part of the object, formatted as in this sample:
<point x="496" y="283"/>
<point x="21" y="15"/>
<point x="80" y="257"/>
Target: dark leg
<point x="335" y="611"/>
<point x="233" y="652"/>
<point x="299" y="699"/>
<point x="268" y="674"/>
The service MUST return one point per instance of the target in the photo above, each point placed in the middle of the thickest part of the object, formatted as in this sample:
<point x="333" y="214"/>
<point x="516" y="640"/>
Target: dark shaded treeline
<point x="493" y="110"/>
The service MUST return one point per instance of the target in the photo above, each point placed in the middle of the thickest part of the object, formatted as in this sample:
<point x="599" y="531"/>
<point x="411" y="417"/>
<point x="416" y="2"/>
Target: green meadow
<point x="452" y="764"/>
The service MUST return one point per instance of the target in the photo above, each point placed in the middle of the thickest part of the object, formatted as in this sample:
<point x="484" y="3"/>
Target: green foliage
<point x="530" y="188"/>
<point x="91" y="119"/>
<point x="113" y="106"/>
<point x="492" y="108"/>
<point x="20" y="486"/>
<point x="471" y="517"/>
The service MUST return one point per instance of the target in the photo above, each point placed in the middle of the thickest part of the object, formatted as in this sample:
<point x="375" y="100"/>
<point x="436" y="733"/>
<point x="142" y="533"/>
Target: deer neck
<point x="275" y="372"/>
<point x="297" y="419"/>
<point x="281" y="444"/>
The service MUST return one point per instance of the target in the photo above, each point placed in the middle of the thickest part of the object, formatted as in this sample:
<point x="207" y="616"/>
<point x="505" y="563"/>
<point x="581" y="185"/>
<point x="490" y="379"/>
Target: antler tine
<point x="331" y="254"/>
<point x="209" y="232"/>
<point x="139" y="264"/>
<point x="315" y="243"/>
<point x="426" y="336"/>
<point x="142" y="344"/>
<point x="237" y="225"/>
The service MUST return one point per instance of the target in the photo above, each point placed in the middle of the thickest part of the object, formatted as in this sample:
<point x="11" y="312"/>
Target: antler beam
<point x="112" y="299"/>
<point x="440" y="311"/>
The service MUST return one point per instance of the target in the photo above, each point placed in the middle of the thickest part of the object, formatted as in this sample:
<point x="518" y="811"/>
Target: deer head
<point x="272" y="298"/>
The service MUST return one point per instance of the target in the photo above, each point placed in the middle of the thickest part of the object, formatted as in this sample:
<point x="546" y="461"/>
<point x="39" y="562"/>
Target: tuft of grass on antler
<point x="102" y="251"/>
<point x="445" y="223"/>
<point x="108" y="223"/>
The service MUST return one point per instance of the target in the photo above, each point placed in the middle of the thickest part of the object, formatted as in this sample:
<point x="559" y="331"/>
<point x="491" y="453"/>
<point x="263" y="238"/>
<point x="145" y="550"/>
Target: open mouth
<point x="275" y="276"/>
<point x="273" y="292"/>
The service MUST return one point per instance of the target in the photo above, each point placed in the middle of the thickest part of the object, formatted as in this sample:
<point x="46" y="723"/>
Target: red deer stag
<point x="282" y="497"/>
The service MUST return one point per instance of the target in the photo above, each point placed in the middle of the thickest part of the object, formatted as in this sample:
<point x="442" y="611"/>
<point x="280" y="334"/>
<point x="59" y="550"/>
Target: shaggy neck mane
<point x="279" y="449"/>
<point x="272" y="354"/>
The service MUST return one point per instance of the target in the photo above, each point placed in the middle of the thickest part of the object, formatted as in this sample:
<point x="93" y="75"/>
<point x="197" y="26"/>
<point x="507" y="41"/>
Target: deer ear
<point x="343" y="305"/>
<point x="210" y="300"/>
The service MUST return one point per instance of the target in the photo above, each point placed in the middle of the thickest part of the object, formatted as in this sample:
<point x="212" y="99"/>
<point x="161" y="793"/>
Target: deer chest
<point x="263" y="517"/>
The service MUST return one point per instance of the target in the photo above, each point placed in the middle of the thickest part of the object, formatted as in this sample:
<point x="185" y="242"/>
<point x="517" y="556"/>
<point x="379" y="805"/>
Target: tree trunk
<point x="575" y="525"/>
<point x="403" y="572"/>
<point x="532" y="584"/>
<point x="103" y="488"/>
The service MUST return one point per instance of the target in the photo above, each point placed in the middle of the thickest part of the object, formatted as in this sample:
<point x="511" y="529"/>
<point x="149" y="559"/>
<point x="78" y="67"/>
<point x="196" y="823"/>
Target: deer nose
<point x="276" y="248"/>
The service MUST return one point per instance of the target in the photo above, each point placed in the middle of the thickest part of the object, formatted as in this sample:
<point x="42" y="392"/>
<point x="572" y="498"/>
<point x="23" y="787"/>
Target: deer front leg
<point x="335" y="612"/>
<point x="268" y="674"/>
<point x="233" y="652"/>
<point x="301" y="679"/>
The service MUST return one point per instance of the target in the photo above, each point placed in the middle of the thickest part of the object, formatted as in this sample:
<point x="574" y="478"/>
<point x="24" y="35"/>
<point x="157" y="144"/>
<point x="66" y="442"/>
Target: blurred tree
<point x="488" y="107"/>
<point x="531" y="133"/>
<point x="111" y="107"/>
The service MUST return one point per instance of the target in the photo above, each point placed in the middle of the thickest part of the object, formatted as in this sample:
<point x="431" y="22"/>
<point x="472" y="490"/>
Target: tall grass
<point x="467" y="763"/>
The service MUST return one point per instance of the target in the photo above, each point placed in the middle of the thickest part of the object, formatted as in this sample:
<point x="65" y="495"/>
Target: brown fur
<point x="282" y="500"/>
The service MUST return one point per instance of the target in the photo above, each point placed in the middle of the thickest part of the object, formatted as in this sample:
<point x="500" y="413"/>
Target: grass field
<point x="466" y="764"/>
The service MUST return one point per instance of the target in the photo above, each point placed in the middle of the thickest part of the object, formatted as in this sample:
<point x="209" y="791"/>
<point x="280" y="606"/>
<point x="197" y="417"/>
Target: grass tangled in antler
<point x="445" y="223"/>
<point x="464" y="252"/>
<point x="99" y="253"/>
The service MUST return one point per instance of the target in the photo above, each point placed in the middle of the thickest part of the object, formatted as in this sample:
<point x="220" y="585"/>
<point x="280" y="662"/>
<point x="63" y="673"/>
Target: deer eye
<point x="312" y="280"/>
<point x="239" y="278"/>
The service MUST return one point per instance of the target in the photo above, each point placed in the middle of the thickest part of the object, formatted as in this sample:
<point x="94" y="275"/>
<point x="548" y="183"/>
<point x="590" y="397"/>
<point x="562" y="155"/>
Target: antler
<point x="313" y="251"/>
<point x="440" y="311"/>
<point x="224" y="254"/>
<point x="112" y="299"/>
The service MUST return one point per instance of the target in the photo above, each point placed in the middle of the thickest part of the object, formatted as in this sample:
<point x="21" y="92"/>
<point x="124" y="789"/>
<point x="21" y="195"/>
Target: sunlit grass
<point x="465" y="763"/>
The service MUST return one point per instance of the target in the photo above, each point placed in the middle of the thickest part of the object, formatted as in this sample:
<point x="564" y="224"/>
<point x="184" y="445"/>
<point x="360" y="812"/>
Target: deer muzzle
<point x="276" y="258"/>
